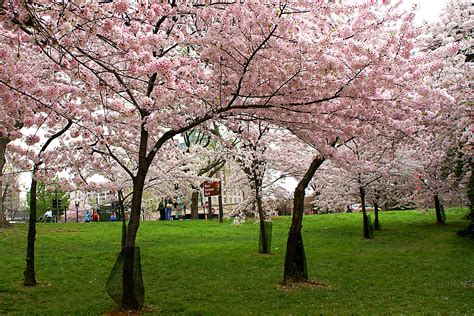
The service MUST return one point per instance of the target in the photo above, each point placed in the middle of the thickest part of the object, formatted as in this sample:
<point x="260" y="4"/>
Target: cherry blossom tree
<point x="3" y="147"/>
<point x="13" y="111"/>
<point x="369" y="162"/>
<point x="455" y="25"/>
<point x="265" y="154"/>
<point x="380" y="98"/>
<point x="10" y="190"/>
<point x="211" y="158"/>
<point x="30" y="102"/>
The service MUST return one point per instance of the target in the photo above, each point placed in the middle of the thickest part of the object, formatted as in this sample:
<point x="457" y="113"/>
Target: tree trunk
<point x="376" y="214"/>
<point x="122" y="214"/>
<point x="257" y="182"/>
<point x="221" y="209"/>
<point x="130" y="301"/>
<point x="295" y="259"/>
<point x="3" y="148"/>
<point x="367" y="234"/>
<point x="439" y="217"/>
<point x="29" y="273"/>
<point x="209" y="209"/>
<point x="263" y="234"/>
<point x="195" y="204"/>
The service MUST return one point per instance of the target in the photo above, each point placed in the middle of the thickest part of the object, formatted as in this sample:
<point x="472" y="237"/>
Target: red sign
<point x="212" y="188"/>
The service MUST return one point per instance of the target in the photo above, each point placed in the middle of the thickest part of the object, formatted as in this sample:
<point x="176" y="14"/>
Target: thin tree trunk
<point x="221" y="209"/>
<point x="29" y="273"/>
<point x="439" y="217"/>
<point x="367" y="234"/>
<point x="376" y="214"/>
<point x="209" y="209"/>
<point x="3" y="148"/>
<point x="263" y="234"/>
<point x="122" y="214"/>
<point x="194" y="204"/>
<point x="295" y="258"/>
<point x="264" y="249"/>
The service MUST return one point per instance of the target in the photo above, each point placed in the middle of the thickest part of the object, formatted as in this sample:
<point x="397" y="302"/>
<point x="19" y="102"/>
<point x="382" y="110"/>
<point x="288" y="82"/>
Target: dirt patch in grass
<point x="299" y="285"/>
<point x="143" y="310"/>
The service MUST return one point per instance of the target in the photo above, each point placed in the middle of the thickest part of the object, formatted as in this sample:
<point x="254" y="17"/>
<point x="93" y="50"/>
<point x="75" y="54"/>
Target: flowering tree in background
<point x="455" y="25"/>
<point x="370" y="91"/>
<point x="10" y="191"/>
<point x="265" y="154"/>
<point x="212" y="160"/>
<point x="34" y="99"/>
<point x="15" y="109"/>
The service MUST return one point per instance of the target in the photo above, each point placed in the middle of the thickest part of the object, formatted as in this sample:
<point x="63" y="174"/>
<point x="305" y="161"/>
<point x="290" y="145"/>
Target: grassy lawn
<point x="206" y="268"/>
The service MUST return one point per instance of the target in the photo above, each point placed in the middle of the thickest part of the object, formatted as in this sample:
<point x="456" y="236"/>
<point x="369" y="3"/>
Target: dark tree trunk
<point x="257" y="182"/>
<point x="295" y="259"/>
<point x="122" y="215"/>
<point x="3" y="148"/>
<point x="263" y="234"/>
<point x="255" y="179"/>
<point x="221" y="209"/>
<point x="367" y="234"/>
<point x="130" y="301"/>
<point x="439" y="216"/>
<point x="29" y="273"/>
<point x="194" y="204"/>
<point x="376" y="214"/>
<point x="209" y="208"/>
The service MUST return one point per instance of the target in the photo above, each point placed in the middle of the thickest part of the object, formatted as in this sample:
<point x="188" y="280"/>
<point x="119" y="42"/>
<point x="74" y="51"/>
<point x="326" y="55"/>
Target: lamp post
<point x="77" y="211"/>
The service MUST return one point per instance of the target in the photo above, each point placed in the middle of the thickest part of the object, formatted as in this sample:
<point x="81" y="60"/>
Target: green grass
<point x="206" y="268"/>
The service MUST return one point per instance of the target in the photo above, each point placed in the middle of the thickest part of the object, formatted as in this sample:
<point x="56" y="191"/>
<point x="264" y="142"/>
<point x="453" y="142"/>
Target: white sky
<point x="428" y="9"/>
